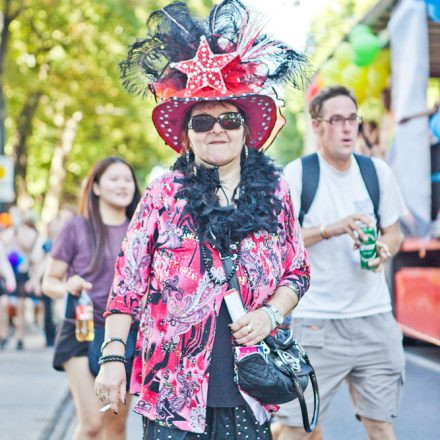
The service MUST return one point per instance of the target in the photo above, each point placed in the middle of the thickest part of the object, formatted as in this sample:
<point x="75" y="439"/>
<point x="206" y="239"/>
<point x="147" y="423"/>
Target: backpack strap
<point x="310" y="180"/>
<point x="371" y="180"/>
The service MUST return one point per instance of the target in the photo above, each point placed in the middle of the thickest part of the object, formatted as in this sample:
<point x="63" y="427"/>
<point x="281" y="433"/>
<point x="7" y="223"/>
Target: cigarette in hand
<point x="105" y="408"/>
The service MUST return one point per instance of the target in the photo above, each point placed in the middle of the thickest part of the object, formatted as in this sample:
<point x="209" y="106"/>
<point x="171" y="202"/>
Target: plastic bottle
<point x="84" y="329"/>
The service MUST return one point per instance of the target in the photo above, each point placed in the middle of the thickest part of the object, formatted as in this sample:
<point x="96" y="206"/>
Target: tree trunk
<point x="57" y="171"/>
<point x="7" y="17"/>
<point x="24" y="130"/>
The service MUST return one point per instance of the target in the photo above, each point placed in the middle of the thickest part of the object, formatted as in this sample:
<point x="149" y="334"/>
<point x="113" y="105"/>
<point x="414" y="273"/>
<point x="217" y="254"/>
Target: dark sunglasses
<point x="227" y="121"/>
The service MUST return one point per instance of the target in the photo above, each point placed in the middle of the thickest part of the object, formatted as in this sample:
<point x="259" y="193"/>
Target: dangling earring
<point x="246" y="152"/>
<point x="187" y="156"/>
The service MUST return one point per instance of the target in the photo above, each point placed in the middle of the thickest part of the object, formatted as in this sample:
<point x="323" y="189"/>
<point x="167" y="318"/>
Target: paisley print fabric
<point x="160" y="280"/>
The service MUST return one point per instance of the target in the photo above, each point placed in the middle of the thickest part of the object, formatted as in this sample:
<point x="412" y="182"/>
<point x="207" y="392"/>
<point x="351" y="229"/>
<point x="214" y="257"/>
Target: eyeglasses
<point x="339" y="121"/>
<point x="227" y="121"/>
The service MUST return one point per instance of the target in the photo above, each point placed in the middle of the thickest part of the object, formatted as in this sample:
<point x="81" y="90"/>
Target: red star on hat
<point x="204" y="70"/>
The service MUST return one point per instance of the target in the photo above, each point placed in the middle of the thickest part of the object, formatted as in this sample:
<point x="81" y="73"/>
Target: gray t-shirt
<point x="73" y="245"/>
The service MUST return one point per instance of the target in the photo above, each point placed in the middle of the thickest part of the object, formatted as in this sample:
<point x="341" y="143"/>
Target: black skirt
<point x="21" y="279"/>
<point x="236" y="423"/>
<point x="66" y="345"/>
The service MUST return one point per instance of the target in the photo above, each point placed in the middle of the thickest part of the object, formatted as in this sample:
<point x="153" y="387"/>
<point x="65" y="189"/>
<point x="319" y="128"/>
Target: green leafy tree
<point x="10" y="11"/>
<point x="66" y="106"/>
<point x="65" y="56"/>
<point x="330" y="26"/>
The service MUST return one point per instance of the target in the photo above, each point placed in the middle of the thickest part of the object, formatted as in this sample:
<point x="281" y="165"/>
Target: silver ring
<point x="249" y="328"/>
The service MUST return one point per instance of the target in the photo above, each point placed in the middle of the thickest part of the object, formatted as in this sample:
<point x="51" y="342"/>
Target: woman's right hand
<point x="110" y="384"/>
<point x="75" y="284"/>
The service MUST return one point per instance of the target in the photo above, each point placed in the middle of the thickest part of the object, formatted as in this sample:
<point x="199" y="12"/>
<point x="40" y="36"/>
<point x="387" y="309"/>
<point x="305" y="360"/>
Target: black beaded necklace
<point x="235" y="257"/>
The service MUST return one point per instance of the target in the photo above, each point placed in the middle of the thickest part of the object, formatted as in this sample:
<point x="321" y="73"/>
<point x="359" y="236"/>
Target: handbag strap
<point x="227" y="266"/>
<point x="309" y="426"/>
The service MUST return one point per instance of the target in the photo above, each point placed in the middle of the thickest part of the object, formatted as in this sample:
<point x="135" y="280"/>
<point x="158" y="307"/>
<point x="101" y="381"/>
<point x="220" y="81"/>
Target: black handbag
<point x="280" y="373"/>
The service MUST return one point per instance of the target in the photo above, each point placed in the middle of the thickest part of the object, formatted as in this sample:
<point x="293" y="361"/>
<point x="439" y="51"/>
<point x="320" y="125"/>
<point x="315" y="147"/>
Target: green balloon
<point x="360" y="29"/>
<point x="365" y="49"/>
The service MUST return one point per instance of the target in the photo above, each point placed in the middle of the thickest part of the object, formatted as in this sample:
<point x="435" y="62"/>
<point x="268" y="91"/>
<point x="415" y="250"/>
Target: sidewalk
<point x="31" y="390"/>
<point x="35" y="401"/>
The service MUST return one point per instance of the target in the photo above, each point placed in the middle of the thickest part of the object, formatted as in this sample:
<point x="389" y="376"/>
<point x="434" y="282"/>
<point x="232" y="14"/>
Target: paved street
<point x="35" y="404"/>
<point x="31" y="390"/>
<point x="418" y="418"/>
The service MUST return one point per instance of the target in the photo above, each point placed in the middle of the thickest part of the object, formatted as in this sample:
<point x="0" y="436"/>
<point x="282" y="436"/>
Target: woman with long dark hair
<point x="83" y="258"/>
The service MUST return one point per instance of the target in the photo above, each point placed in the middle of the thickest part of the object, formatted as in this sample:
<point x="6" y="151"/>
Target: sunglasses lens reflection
<point x="202" y="123"/>
<point x="228" y="121"/>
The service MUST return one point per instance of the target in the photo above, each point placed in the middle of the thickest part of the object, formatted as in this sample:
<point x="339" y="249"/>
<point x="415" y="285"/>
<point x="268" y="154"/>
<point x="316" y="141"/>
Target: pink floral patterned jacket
<point x="160" y="280"/>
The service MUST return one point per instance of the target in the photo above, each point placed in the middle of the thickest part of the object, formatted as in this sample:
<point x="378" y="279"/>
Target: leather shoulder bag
<point x="280" y="373"/>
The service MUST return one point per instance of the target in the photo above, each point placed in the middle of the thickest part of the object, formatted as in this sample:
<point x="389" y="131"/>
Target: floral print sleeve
<point x="296" y="270"/>
<point x="133" y="265"/>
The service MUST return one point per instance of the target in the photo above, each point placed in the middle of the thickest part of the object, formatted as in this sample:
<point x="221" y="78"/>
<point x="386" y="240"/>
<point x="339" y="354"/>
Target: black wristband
<point x="112" y="358"/>
<point x="108" y="341"/>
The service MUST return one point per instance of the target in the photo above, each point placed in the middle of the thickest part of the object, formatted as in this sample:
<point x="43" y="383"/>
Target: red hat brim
<point x="259" y="110"/>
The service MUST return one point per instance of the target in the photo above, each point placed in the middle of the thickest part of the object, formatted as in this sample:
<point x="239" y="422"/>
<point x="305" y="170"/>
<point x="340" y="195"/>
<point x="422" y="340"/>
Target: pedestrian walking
<point x="223" y="212"/>
<point x="39" y="260"/>
<point x="19" y="241"/>
<point x="7" y="286"/>
<point x="345" y="323"/>
<point x="82" y="258"/>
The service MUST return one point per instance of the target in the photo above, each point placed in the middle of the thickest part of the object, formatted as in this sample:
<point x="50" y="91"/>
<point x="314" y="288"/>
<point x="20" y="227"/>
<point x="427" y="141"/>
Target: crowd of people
<point x="24" y="249"/>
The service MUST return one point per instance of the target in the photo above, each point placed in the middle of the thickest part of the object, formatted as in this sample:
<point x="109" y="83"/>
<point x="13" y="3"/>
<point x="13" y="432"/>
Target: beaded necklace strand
<point x="208" y="267"/>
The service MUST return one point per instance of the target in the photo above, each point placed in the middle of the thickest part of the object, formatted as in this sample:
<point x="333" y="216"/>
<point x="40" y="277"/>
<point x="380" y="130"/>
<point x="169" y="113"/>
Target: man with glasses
<point x="345" y="322"/>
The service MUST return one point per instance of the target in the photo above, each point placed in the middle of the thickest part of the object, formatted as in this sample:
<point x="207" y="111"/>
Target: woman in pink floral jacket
<point x="223" y="201"/>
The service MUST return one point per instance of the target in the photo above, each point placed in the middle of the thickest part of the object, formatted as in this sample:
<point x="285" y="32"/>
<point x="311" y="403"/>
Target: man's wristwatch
<point x="276" y="317"/>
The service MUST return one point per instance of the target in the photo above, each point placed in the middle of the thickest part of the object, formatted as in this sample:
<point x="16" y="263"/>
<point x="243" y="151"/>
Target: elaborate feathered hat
<point x="183" y="61"/>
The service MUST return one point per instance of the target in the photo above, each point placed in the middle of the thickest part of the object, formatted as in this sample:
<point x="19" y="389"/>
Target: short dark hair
<point x="318" y="101"/>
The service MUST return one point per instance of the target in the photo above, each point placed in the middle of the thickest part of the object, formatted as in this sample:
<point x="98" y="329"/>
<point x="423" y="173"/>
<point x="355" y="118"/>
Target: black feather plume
<point x="173" y="35"/>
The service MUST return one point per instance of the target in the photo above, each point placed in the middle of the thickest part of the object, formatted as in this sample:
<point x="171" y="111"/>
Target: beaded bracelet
<point x="108" y="341"/>
<point x="270" y="313"/>
<point x="112" y="358"/>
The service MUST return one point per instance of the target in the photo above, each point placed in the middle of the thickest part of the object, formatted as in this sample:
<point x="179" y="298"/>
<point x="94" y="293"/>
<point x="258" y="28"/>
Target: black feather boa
<point x="256" y="208"/>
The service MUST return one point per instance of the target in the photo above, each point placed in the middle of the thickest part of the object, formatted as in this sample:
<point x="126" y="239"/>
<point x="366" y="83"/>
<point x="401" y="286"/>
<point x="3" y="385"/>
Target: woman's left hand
<point x="251" y="328"/>
<point x="110" y="385"/>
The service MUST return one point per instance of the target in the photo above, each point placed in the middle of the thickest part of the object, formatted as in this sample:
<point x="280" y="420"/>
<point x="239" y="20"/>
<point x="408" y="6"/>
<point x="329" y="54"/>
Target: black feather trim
<point x="172" y="36"/>
<point x="257" y="207"/>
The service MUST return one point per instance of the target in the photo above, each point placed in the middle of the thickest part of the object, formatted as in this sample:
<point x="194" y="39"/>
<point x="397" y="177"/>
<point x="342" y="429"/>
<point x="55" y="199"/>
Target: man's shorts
<point x="367" y="352"/>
